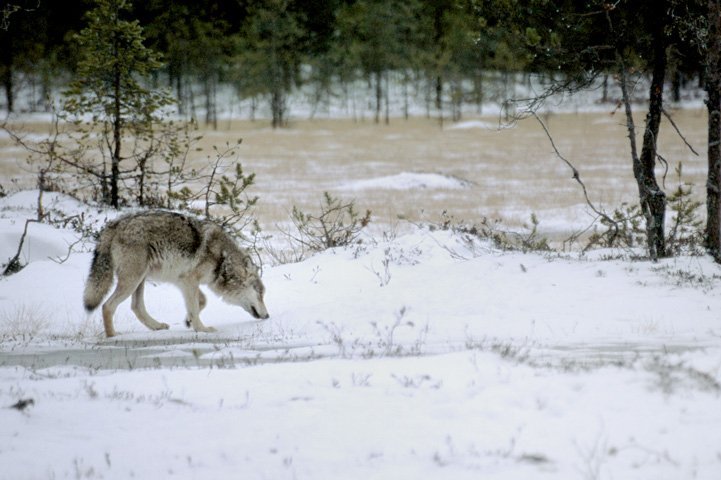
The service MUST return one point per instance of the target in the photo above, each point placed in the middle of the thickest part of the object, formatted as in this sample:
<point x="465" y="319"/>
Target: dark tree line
<point x="266" y="48"/>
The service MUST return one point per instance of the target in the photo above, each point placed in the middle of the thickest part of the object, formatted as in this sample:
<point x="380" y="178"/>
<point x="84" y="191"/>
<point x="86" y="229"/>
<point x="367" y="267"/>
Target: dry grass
<point x="511" y="172"/>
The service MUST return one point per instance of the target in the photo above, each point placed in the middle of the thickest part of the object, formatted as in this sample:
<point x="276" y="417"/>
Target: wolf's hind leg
<point x="128" y="280"/>
<point x="138" y="307"/>
<point x="194" y="301"/>
<point x="202" y="301"/>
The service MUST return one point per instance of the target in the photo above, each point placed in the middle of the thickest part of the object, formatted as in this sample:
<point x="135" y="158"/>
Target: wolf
<point x="175" y="248"/>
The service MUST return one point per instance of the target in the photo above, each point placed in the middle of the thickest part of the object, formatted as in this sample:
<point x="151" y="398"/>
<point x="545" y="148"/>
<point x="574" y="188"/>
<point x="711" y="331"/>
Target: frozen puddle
<point x="132" y="353"/>
<point x="595" y="355"/>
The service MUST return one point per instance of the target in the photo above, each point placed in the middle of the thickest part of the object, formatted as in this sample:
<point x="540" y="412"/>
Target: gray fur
<point x="175" y="248"/>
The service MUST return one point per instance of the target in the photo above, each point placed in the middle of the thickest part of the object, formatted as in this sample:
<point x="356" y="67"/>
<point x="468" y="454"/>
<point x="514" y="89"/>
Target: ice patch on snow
<point x="409" y="181"/>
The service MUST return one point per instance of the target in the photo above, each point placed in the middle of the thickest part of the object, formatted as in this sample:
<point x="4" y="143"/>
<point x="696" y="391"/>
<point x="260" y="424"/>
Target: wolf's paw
<point x="162" y="326"/>
<point x="205" y="329"/>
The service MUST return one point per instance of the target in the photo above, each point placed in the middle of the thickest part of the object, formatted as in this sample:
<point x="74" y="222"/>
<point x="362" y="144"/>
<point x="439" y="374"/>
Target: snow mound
<point x="45" y="241"/>
<point x="41" y="241"/>
<point x="25" y="203"/>
<point x="409" y="181"/>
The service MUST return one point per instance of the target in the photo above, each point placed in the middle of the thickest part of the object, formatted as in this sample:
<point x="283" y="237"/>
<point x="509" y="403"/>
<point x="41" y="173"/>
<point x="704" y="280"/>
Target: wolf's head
<point x="238" y="282"/>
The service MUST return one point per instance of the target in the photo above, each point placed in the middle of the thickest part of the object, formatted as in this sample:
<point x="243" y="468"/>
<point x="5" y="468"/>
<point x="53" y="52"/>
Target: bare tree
<point x="652" y="198"/>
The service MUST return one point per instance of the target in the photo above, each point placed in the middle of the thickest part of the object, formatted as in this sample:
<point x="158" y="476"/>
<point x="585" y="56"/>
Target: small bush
<point x="685" y="234"/>
<point x="624" y="228"/>
<point x="24" y="321"/>
<point x="337" y="225"/>
<point x="223" y="196"/>
<point x="527" y="240"/>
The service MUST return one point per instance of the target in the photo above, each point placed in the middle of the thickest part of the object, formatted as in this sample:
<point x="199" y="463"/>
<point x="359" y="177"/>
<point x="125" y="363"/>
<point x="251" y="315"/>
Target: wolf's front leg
<point x="202" y="301"/>
<point x="194" y="302"/>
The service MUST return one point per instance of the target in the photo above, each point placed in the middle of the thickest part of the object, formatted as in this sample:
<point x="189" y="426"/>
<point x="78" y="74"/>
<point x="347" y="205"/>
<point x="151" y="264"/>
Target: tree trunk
<point x="478" y="90"/>
<point x="141" y="181"/>
<point x="406" y="106"/>
<point x="7" y="70"/>
<point x="277" y="108"/>
<point x="180" y="94"/>
<point x="210" y="87"/>
<point x="117" y="127"/>
<point x="9" y="88"/>
<point x="438" y="34"/>
<point x="379" y="95"/>
<point x="387" y="100"/>
<point x="713" y="104"/>
<point x="439" y="93"/>
<point x="676" y="86"/>
<point x="652" y="197"/>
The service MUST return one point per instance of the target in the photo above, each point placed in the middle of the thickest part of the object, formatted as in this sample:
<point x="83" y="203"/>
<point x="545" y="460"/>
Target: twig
<point x="531" y="105"/>
<point x="665" y="171"/>
<point x="576" y="174"/>
<point x="675" y="127"/>
<point x="60" y="260"/>
<point x="13" y="266"/>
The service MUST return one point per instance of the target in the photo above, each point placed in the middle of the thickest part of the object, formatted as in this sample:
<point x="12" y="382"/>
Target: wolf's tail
<point x="100" y="278"/>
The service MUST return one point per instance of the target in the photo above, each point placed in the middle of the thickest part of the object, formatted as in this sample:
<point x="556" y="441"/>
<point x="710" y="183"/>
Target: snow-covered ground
<point x="429" y="354"/>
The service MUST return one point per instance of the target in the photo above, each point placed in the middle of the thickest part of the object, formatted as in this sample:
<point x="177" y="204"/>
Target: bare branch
<point x="675" y="127"/>
<point x="577" y="176"/>
<point x="13" y="265"/>
<point x="568" y="86"/>
<point x="60" y="260"/>
<point x="665" y="171"/>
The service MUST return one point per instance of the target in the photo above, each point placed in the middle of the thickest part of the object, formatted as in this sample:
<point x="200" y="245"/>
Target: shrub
<point x="686" y="232"/>
<point x="337" y="225"/>
<point x="527" y="240"/>
<point x="623" y="228"/>
<point x="223" y="196"/>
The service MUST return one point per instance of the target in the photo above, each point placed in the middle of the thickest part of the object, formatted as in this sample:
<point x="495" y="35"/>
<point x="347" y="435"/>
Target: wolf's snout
<point x="259" y="315"/>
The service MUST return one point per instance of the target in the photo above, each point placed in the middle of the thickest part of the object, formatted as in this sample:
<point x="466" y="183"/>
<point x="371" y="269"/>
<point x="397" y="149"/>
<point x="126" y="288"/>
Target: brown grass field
<point x="509" y="173"/>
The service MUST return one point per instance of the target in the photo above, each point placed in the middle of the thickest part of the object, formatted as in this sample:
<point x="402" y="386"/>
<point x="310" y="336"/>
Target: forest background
<point x="446" y="48"/>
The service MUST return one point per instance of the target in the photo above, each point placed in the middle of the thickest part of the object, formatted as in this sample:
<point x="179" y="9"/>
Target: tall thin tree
<point x="652" y="196"/>
<point x="713" y="104"/>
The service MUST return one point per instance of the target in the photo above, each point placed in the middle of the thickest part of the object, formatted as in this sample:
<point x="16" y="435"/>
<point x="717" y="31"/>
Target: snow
<point x="471" y="124"/>
<point x="407" y="181"/>
<point x="430" y="354"/>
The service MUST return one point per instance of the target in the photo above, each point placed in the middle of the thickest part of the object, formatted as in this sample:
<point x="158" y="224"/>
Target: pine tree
<point x="378" y="36"/>
<point x="107" y="87"/>
<point x="270" y="52"/>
